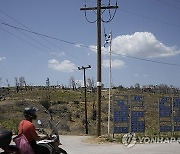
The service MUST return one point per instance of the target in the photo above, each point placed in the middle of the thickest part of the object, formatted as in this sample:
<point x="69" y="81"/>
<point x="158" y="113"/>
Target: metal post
<point x="110" y="85"/>
<point x="159" y="118"/>
<point x="85" y="100"/>
<point x="172" y="115"/>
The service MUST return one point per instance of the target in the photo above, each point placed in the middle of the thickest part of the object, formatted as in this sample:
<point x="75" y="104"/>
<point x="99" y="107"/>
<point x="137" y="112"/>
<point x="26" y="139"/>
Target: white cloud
<point x="115" y="63"/>
<point x="64" y="66"/>
<point x="2" y="58"/>
<point x="103" y="49"/>
<point x="142" y="44"/>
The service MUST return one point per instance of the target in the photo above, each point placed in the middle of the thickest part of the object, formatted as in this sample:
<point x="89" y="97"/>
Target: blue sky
<point x="145" y="34"/>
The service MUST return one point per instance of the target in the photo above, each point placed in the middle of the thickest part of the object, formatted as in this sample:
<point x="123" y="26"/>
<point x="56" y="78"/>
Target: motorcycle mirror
<point x="39" y="122"/>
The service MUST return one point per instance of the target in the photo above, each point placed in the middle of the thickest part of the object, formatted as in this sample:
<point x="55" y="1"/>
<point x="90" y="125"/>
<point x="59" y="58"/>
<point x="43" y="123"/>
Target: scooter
<point x="5" y="140"/>
<point x="52" y="142"/>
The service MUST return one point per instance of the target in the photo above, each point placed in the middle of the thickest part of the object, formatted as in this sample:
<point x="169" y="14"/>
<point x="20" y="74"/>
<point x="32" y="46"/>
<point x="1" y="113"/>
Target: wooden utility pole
<point x="85" y="100"/>
<point x="99" y="8"/>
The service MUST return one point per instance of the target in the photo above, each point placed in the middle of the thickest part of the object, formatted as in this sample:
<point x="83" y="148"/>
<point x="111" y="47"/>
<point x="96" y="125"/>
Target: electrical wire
<point x="147" y="60"/>
<point x="110" y="16"/>
<point x="24" y="40"/>
<point x="85" y="14"/>
<point x="40" y="37"/>
<point x="24" y="26"/>
<point x="106" y="21"/>
<point x="31" y="38"/>
<point x="40" y="34"/>
<point x="51" y="53"/>
<point x="92" y="48"/>
<point x="149" y="18"/>
<point x="169" y="4"/>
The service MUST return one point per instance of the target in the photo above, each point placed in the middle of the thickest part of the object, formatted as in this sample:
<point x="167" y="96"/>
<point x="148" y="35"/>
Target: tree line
<point x="22" y="84"/>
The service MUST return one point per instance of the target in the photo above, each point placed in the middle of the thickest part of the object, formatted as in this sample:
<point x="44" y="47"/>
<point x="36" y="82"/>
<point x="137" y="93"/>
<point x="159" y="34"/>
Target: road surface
<point x="76" y="145"/>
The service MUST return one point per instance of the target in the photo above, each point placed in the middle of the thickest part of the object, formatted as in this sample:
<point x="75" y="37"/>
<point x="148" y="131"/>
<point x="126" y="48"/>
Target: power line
<point x="47" y="36"/>
<point x="79" y="60"/>
<point x="169" y="4"/>
<point x="31" y="38"/>
<point x="14" y="19"/>
<point x="24" y="25"/>
<point x="24" y="40"/>
<point x="18" y="29"/>
<point x="30" y="43"/>
<point x="149" y="18"/>
<point x="148" y="60"/>
<point x="104" y="8"/>
<point x="92" y="48"/>
<point x="39" y="36"/>
<point x="51" y="53"/>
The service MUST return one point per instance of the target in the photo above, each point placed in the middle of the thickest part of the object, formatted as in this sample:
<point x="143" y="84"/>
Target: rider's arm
<point x="34" y="135"/>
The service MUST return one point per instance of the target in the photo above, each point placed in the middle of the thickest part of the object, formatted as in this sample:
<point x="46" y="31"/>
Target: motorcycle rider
<point x="28" y="129"/>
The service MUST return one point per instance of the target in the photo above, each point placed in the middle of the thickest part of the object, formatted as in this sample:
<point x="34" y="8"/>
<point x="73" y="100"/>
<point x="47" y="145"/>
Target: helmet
<point x="30" y="112"/>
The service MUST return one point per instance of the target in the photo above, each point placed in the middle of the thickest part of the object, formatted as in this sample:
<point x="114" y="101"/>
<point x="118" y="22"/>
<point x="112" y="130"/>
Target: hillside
<point x="67" y="106"/>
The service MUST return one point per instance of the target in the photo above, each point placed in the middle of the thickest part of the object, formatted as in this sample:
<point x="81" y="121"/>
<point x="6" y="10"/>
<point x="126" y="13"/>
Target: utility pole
<point x="99" y="8"/>
<point x="85" y="100"/>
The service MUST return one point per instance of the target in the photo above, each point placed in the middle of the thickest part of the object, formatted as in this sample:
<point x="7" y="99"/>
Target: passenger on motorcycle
<point x="28" y="129"/>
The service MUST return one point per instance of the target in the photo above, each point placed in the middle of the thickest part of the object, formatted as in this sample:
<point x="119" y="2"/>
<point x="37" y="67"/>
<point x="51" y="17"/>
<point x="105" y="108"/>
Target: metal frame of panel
<point x="137" y="114"/>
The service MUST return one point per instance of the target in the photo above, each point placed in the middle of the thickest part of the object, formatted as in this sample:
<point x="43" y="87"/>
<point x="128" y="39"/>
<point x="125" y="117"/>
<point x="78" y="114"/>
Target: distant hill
<point x="67" y="106"/>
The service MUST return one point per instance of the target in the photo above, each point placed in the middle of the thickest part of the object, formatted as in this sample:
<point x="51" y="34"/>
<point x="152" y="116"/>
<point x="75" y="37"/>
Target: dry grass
<point x="67" y="106"/>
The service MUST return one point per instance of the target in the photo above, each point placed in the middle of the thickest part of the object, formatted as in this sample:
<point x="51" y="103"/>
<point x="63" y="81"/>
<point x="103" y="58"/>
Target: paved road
<point x="75" y="145"/>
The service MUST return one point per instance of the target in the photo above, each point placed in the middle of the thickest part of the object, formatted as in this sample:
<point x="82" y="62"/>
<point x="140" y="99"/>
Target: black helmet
<point x="30" y="112"/>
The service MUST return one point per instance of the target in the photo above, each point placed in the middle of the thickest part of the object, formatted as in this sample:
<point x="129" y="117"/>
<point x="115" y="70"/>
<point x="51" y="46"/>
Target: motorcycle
<point x="5" y="140"/>
<point x="52" y="141"/>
